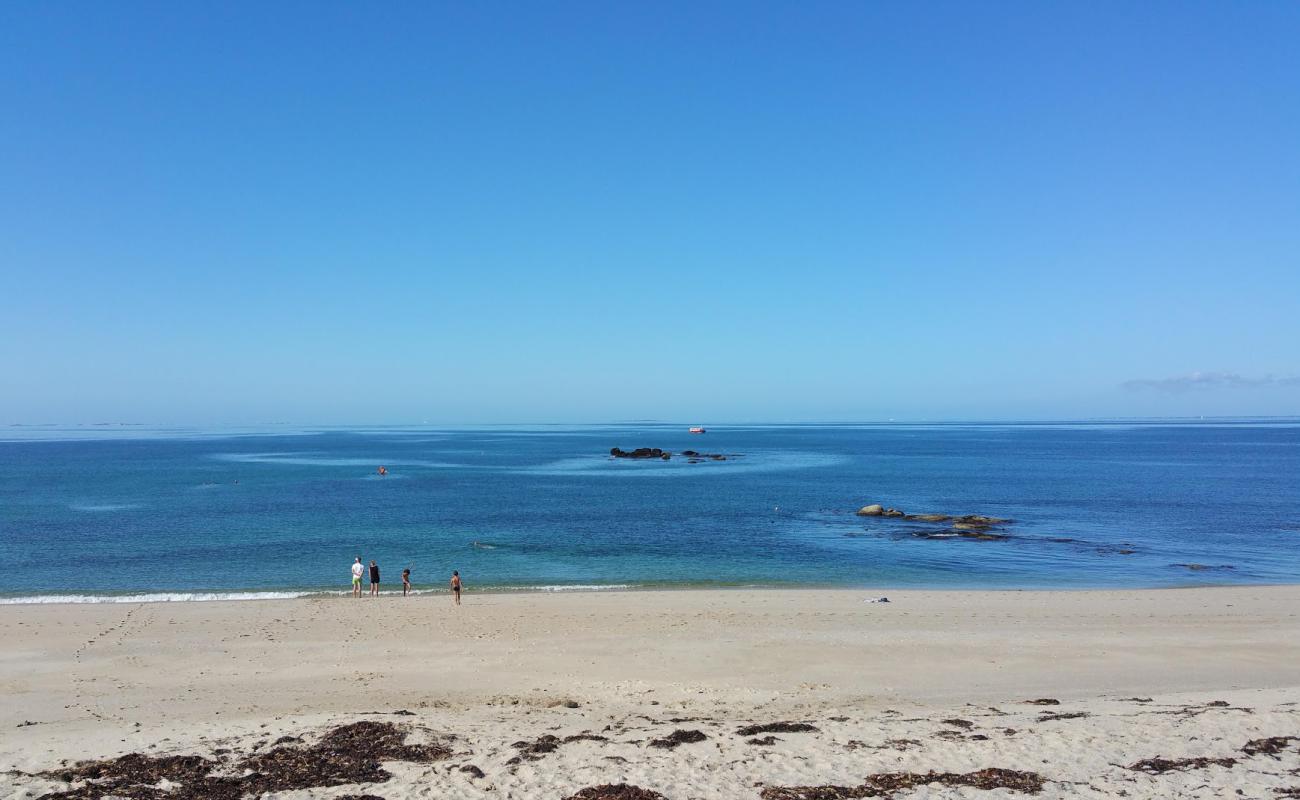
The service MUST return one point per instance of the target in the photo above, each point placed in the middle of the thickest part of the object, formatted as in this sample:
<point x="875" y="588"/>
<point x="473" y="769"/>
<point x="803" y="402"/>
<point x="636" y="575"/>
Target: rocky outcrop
<point x="640" y="452"/>
<point x="927" y="517"/>
<point x="877" y="510"/>
<point x="966" y="526"/>
<point x="697" y="457"/>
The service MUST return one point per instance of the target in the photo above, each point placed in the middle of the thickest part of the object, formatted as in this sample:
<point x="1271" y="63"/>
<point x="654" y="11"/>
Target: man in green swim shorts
<point x="357" y="571"/>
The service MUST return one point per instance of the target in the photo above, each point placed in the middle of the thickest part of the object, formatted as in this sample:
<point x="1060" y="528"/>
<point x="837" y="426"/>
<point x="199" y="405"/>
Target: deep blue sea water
<point x="95" y="512"/>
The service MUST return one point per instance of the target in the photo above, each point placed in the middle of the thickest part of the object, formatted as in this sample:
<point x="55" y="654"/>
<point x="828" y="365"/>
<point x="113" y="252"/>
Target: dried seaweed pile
<point x="1067" y="715"/>
<point x="1159" y="766"/>
<point x="615" y="791"/>
<point x="777" y="727"/>
<point x="548" y="743"/>
<point x="678" y="737"/>
<point x="1268" y="747"/>
<point x="885" y="784"/>
<point x="348" y="754"/>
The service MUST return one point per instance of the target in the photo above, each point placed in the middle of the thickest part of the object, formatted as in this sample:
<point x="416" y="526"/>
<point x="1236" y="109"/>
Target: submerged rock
<point x="980" y="519"/>
<point x="927" y="517"/>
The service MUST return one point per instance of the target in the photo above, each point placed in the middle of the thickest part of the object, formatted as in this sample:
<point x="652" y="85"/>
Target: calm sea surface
<point x="98" y="513"/>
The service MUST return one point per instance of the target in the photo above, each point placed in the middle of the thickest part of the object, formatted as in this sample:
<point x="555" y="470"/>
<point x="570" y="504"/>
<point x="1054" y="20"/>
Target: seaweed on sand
<point x="348" y="754"/>
<point x="778" y="727"/>
<point x="677" y="738"/>
<point x="615" y="791"/>
<point x="534" y="750"/>
<point x="1068" y="715"/>
<point x="548" y="743"/>
<point x="1159" y="766"/>
<point x="138" y="768"/>
<point x="885" y="784"/>
<point x="586" y="737"/>
<point x="1268" y="747"/>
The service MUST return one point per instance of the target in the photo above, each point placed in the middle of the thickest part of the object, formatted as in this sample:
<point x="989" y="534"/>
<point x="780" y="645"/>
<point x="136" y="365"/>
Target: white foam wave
<point x="208" y="597"/>
<point x="568" y="587"/>
<point x="104" y="506"/>
<point x="151" y="597"/>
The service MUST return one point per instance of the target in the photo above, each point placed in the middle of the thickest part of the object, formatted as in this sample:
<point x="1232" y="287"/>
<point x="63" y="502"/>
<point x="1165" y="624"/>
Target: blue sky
<point x="480" y="212"/>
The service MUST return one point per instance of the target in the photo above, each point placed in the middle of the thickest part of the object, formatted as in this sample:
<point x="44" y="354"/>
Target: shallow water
<point x="201" y="514"/>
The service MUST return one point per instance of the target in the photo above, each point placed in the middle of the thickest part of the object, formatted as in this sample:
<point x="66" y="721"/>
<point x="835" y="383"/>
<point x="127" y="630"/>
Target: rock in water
<point x="873" y="510"/>
<point x="929" y="517"/>
<point x="640" y="452"/>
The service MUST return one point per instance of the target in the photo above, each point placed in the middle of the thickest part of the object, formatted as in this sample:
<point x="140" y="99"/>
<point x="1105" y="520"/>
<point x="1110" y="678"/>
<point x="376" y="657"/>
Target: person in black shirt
<point x="374" y="579"/>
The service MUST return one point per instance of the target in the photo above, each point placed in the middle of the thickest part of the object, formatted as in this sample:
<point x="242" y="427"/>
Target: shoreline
<point x="75" y="598"/>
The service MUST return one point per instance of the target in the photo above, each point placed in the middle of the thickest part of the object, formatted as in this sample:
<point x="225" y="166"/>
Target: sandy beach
<point x="690" y="694"/>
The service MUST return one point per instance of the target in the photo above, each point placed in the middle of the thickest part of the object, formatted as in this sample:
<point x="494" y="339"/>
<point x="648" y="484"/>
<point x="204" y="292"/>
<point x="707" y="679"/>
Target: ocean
<point x="100" y="513"/>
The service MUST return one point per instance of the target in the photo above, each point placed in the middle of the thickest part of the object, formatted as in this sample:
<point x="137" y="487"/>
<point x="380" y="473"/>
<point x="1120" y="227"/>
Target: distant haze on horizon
<point x="573" y="212"/>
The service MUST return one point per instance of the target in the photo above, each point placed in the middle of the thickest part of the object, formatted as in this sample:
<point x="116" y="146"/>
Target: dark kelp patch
<point x="885" y="784"/>
<point x="1068" y="715"/>
<point x="137" y="768"/>
<point x="534" y="750"/>
<point x="777" y="727"/>
<point x="1159" y="766"/>
<point x="1268" y="747"/>
<point x="678" y="738"/>
<point x="615" y="791"/>
<point x="548" y="743"/>
<point x="347" y="754"/>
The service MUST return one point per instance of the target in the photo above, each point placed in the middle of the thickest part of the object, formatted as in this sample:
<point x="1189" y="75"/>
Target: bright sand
<point x="177" y="678"/>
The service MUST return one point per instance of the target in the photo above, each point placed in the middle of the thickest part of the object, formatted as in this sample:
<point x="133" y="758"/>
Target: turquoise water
<point x="93" y="513"/>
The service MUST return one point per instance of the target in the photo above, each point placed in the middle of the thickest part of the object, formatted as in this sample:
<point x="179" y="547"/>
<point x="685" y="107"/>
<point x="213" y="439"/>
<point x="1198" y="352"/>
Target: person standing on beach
<point x="455" y="587"/>
<point x="406" y="581"/>
<point x="357" y="571"/>
<point x="374" y="579"/>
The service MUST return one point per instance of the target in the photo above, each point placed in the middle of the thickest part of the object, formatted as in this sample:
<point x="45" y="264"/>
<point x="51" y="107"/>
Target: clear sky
<point x="332" y="212"/>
